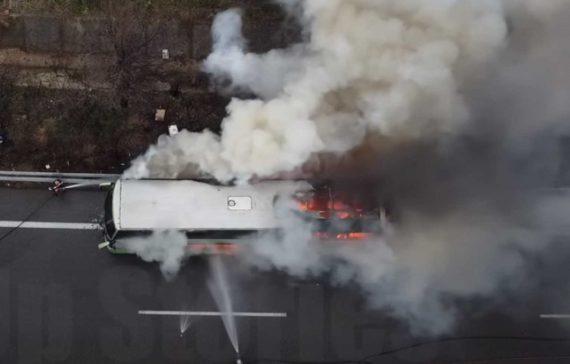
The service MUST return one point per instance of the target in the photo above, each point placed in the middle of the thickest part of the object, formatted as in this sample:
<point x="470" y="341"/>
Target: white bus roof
<point x="193" y="205"/>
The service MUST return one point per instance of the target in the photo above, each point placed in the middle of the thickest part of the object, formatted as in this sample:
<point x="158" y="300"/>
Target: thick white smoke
<point x="391" y="67"/>
<point x="264" y="75"/>
<point x="419" y="70"/>
<point x="168" y="248"/>
<point x="410" y="270"/>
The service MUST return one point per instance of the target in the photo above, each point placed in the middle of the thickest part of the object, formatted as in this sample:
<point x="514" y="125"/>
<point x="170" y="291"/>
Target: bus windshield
<point x="110" y="228"/>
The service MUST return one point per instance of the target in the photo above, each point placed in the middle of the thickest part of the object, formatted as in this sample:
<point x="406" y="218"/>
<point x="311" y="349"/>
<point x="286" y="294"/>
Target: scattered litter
<point x="160" y="115"/>
<point x="172" y="129"/>
<point x="48" y="166"/>
<point x="165" y="54"/>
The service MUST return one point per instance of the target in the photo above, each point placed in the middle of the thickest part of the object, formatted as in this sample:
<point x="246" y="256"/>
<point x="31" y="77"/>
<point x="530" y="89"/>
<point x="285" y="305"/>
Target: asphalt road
<point x="64" y="301"/>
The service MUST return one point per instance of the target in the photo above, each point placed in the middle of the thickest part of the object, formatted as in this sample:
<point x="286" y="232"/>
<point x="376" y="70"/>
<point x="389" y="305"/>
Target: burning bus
<point x="218" y="218"/>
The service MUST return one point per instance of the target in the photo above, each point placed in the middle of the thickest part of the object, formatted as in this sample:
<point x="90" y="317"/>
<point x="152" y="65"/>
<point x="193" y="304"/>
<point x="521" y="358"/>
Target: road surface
<point x="65" y="301"/>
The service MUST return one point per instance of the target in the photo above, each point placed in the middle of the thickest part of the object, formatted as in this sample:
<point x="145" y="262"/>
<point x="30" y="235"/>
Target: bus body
<point x="216" y="217"/>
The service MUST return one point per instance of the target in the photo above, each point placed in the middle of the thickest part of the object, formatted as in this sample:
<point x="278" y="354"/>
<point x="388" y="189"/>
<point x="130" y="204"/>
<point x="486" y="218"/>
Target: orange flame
<point x="342" y="236"/>
<point x="217" y="248"/>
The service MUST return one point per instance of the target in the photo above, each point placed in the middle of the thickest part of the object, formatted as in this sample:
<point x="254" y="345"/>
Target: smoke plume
<point x="168" y="248"/>
<point x="369" y="66"/>
<point x="453" y="109"/>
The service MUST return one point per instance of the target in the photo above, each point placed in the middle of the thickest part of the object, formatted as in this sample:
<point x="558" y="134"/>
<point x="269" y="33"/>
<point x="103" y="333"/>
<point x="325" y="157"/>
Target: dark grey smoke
<point x="470" y="208"/>
<point x="455" y="121"/>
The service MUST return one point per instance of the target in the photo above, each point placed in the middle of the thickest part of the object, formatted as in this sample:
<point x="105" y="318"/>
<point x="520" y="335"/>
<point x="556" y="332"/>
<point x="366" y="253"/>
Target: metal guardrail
<point x="56" y="174"/>
<point x="16" y="176"/>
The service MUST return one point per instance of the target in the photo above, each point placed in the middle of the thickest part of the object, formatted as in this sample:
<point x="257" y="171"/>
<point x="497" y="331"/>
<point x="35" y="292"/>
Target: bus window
<point x="220" y="234"/>
<point x="127" y="234"/>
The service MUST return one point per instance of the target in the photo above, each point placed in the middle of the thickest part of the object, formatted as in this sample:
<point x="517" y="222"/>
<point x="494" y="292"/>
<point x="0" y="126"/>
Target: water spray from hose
<point x="219" y="288"/>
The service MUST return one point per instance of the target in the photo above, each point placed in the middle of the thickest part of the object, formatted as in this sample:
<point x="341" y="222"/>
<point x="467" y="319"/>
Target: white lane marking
<point x="555" y="316"/>
<point x="212" y="313"/>
<point x="49" y="225"/>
